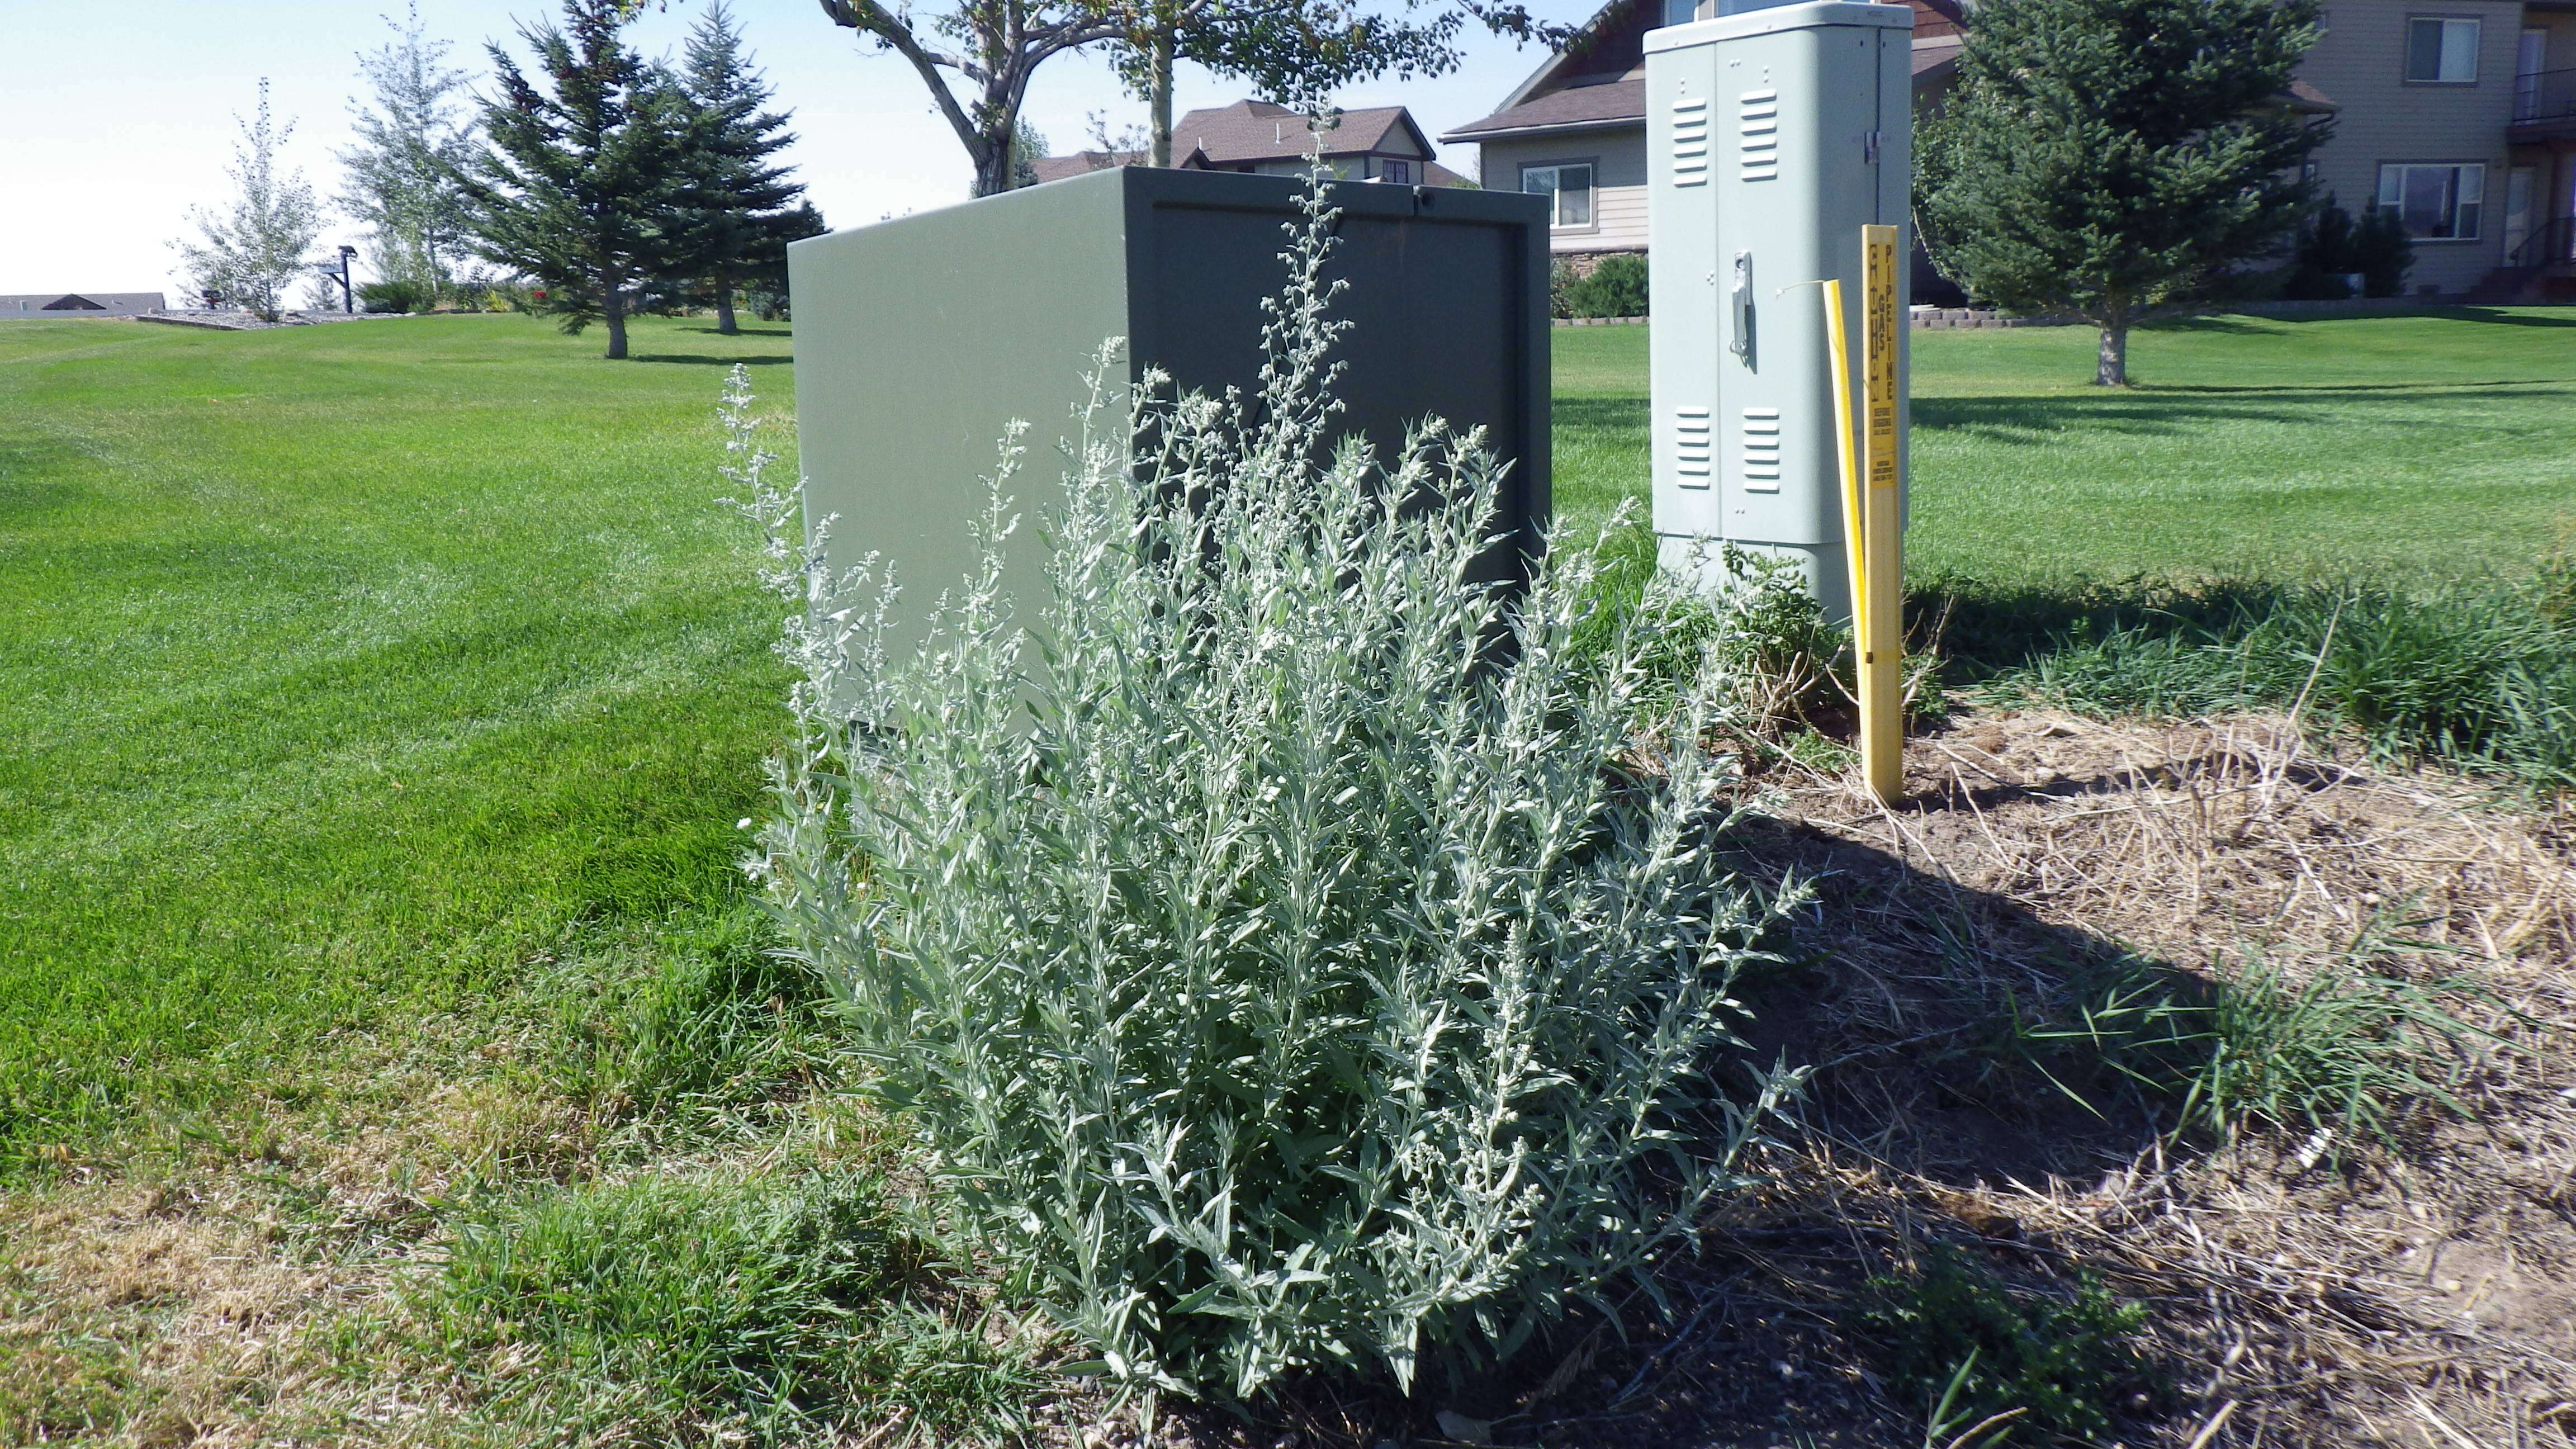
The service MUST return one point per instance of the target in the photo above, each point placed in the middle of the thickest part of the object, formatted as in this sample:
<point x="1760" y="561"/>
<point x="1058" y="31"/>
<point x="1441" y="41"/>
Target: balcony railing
<point x="2553" y="243"/>
<point x="2547" y="96"/>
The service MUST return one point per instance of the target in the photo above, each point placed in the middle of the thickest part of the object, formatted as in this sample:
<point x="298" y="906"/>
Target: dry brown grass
<point x="228" y="1278"/>
<point x="2305" y="1290"/>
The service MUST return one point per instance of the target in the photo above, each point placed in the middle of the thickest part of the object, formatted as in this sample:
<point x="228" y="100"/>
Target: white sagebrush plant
<point x="1287" y="949"/>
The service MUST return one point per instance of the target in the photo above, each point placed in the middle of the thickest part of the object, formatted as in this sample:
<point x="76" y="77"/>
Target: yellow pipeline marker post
<point x="1840" y="351"/>
<point x="1879" y="612"/>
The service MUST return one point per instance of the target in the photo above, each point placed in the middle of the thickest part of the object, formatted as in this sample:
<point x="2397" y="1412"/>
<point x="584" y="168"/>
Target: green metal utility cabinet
<point x="919" y="339"/>
<point x="1774" y="133"/>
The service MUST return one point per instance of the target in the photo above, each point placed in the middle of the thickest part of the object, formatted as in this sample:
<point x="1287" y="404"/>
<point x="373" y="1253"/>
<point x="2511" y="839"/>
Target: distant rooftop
<point x="81" y="304"/>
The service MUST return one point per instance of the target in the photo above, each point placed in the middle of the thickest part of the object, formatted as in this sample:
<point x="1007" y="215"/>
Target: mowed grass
<point x="349" y="671"/>
<point x="343" y="671"/>
<point x="2349" y="447"/>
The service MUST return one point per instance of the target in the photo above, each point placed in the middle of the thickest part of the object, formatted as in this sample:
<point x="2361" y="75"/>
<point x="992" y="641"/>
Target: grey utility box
<point x="919" y="339"/>
<point x="1773" y="136"/>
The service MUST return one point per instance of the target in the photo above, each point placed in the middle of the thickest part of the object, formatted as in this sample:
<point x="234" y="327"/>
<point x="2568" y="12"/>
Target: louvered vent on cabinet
<point x="1690" y="142"/>
<point x="1762" y="450"/>
<point x="1757" y="121"/>
<point x="1691" y="447"/>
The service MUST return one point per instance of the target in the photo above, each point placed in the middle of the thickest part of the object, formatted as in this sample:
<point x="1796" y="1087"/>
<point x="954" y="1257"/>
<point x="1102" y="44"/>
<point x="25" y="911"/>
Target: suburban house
<point x="1378" y="144"/>
<point x="1576" y="129"/>
<point x="2462" y="117"/>
<point x="81" y="304"/>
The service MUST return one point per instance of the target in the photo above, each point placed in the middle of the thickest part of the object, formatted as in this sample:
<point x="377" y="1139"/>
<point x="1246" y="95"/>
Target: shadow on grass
<point x="1603" y="414"/>
<point x="2030" y="421"/>
<point x="1988" y="628"/>
<point x="2250" y="322"/>
<point x="696" y="359"/>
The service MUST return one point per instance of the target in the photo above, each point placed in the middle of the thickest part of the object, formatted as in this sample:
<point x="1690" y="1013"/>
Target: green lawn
<point x="2377" y="446"/>
<point x="344" y="669"/>
<point x="347" y="670"/>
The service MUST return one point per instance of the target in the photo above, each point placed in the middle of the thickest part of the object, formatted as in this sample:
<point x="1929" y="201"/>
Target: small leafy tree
<point x="1299" y="49"/>
<point x="583" y="181"/>
<point x="1288" y="948"/>
<point x="743" y="209"/>
<point x="254" y="249"/>
<point x="994" y="46"/>
<point x="2109" y="157"/>
<point x="406" y="178"/>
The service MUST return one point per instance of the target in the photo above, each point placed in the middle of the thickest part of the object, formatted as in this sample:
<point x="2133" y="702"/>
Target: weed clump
<point x="2480" y="676"/>
<point x="2342" y="1051"/>
<point x="1289" y="950"/>
<point x="1953" y="1333"/>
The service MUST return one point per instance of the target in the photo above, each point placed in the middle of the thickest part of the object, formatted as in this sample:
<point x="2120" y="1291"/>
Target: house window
<point x="2438" y="202"/>
<point x="1570" y="182"/>
<point x="2441" y="52"/>
<point x="2530" y="62"/>
<point x="1399" y="172"/>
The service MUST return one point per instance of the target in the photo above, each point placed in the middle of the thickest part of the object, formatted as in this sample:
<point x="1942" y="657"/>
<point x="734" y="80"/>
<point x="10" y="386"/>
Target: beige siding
<point x="1618" y="157"/>
<point x="2360" y="64"/>
<point x="2553" y="166"/>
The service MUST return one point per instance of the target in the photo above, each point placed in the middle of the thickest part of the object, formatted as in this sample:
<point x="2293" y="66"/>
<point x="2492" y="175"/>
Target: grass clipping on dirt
<point x="2249" y="1030"/>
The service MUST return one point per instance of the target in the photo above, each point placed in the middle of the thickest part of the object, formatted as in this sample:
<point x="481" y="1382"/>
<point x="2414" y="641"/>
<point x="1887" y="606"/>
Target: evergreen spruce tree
<point x="406" y="173"/>
<point x="2110" y="157"/>
<point x="584" y="182"/>
<point x="250" y="252"/>
<point x="743" y="210"/>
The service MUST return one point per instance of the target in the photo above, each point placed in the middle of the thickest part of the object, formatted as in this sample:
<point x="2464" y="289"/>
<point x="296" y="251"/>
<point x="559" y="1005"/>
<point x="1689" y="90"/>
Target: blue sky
<point x="116" y="116"/>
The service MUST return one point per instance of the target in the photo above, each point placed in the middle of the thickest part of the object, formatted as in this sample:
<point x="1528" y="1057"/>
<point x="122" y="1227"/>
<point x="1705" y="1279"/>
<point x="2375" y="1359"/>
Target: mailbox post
<point x="1773" y="136"/>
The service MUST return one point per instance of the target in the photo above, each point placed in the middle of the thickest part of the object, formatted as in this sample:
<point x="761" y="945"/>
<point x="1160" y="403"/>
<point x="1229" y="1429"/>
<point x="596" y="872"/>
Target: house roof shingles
<point x="1249" y="131"/>
<point x="1599" y="78"/>
<point x="1057" y="168"/>
<point x="1615" y="103"/>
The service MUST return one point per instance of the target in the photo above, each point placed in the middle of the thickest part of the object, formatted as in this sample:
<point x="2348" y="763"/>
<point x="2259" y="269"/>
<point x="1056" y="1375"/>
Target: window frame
<point x="1404" y="161"/>
<point x="2460" y="200"/>
<point x="2477" y="45"/>
<point x="1666" y="13"/>
<point x="1591" y="188"/>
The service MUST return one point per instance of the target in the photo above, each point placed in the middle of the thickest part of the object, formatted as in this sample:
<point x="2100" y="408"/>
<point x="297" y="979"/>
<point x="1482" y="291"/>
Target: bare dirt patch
<point x="2304" y="1287"/>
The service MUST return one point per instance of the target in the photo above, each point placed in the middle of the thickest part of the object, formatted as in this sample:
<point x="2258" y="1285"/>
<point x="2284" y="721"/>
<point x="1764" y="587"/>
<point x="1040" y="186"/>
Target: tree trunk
<point x="724" y="308"/>
<point x="2111" y="365"/>
<point x="612" y="309"/>
<point x="1159" y="98"/>
<point x="993" y="168"/>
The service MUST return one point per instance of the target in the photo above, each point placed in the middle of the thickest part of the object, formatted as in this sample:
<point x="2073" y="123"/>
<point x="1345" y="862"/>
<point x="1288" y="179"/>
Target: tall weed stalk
<point x="1288" y="948"/>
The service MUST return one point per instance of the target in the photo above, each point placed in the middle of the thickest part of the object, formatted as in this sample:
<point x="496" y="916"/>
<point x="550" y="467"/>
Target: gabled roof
<point x="1607" y="55"/>
<point x="1614" y="103"/>
<point x="1250" y="131"/>
<point x="1057" y="168"/>
<point x="73" y="302"/>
